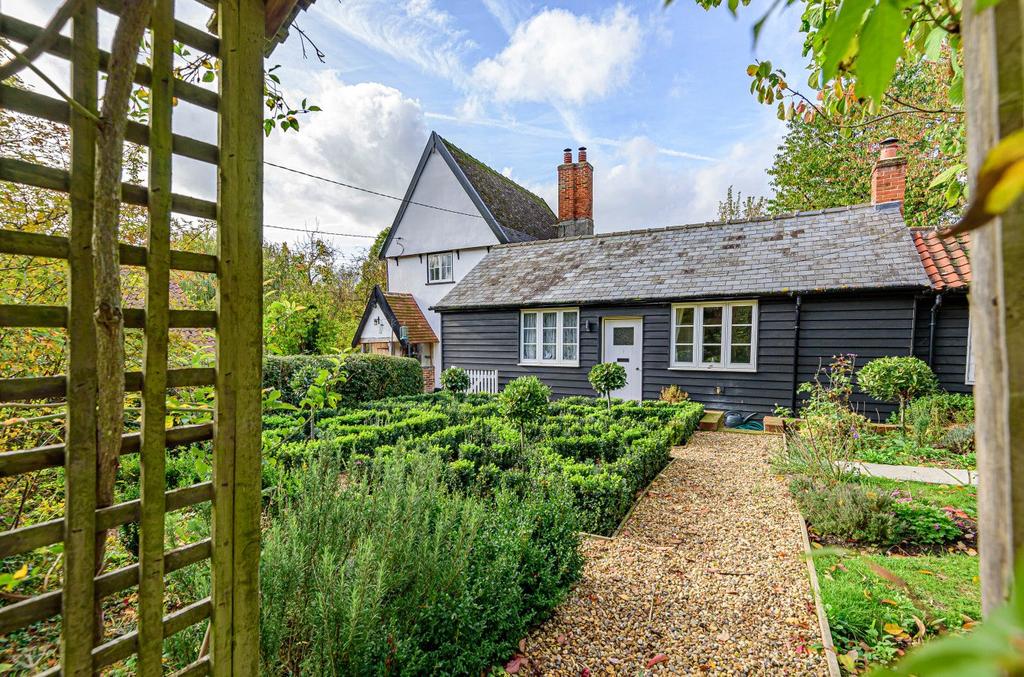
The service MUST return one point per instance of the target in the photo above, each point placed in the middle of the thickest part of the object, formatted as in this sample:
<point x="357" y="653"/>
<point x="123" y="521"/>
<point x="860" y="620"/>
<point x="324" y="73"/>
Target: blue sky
<point x="659" y="96"/>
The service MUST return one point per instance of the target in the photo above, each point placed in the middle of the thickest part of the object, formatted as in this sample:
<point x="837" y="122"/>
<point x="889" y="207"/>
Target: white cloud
<point x="508" y="13"/>
<point x="415" y="31"/>
<point x="557" y="56"/>
<point x="369" y="135"/>
<point x="635" y="187"/>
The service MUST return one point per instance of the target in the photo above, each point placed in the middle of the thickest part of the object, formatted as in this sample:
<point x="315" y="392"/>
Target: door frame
<point x="639" y="319"/>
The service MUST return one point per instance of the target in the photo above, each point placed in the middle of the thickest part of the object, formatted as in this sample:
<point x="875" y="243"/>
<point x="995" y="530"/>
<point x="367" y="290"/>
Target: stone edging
<point x="828" y="647"/>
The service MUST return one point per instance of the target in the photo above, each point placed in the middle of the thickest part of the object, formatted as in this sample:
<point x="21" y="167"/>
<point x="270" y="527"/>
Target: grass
<point x="874" y="619"/>
<point x="940" y="495"/>
<point x="897" y="448"/>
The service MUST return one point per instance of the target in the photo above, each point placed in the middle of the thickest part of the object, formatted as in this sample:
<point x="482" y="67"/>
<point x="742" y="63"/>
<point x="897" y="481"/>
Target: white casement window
<point x="714" y="336"/>
<point x="550" y="336"/>
<point x="440" y="267"/>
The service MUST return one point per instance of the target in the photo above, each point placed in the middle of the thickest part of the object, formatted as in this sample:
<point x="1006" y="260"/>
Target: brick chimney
<point x="575" y="195"/>
<point x="889" y="175"/>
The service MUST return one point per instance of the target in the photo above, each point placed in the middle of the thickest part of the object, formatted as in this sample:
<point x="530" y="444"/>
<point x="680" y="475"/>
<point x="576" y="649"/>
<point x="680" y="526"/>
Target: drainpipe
<point x="796" y="353"/>
<point x="931" y="328"/>
<point x="913" y="324"/>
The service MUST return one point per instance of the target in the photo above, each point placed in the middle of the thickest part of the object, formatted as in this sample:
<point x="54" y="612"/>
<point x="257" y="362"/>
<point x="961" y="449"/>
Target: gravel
<point x="705" y="577"/>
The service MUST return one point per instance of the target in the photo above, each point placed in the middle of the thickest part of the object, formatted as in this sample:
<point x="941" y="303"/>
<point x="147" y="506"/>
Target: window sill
<point x="745" y="370"/>
<point x="441" y="282"/>
<point x="548" y="363"/>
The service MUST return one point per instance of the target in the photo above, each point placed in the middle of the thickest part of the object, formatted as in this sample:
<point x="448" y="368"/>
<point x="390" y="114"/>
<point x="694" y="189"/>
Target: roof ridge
<point x="691" y="226"/>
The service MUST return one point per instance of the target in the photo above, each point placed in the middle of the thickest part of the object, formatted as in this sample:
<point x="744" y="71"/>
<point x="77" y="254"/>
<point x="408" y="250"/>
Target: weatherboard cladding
<point x="868" y="325"/>
<point x="848" y="248"/>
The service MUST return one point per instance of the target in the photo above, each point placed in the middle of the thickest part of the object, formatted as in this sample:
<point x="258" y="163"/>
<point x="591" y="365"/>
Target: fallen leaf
<point x="848" y="660"/>
<point x="522" y="646"/>
<point x="512" y="667"/>
<point x="920" y="627"/>
<point x="890" y="602"/>
<point x="893" y="628"/>
<point x="21" y="573"/>
<point x="660" y="658"/>
<point x="926" y="572"/>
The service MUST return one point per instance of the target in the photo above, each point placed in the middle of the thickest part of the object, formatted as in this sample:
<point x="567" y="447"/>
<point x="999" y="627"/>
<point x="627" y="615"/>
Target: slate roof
<point x="847" y="248"/>
<point x="409" y="315"/>
<point x="522" y="215"/>
<point x="945" y="259"/>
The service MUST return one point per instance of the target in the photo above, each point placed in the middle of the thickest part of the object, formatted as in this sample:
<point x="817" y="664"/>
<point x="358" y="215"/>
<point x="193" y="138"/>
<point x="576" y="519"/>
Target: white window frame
<point x="698" y="337"/>
<point x="539" y="337"/>
<point x="441" y="256"/>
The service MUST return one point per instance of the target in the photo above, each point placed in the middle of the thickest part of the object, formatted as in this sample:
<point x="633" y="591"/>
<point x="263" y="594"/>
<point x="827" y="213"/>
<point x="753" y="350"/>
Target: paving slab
<point x="915" y="473"/>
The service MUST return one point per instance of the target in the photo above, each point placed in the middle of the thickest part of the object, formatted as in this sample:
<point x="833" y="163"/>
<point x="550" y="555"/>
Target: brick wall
<point x="575" y="195"/>
<point x="889" y="175"/>
<point x="428" y="379"/>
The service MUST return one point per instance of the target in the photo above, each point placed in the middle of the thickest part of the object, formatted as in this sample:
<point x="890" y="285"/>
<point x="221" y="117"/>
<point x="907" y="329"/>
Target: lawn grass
<point x="898" y="448"/>
<point x="940" y="495"/>
<point x="873" y="619"/>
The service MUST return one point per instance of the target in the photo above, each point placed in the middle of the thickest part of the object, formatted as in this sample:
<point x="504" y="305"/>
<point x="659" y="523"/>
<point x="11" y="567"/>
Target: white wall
<point x="423" y="230"/>
<point x="374" y="332"/>
<point x="409" y="275"/>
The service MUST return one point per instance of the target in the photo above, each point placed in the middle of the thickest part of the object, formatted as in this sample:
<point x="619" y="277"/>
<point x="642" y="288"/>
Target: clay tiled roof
<point x="945" y="259"/>
<point x="409" y="315"/>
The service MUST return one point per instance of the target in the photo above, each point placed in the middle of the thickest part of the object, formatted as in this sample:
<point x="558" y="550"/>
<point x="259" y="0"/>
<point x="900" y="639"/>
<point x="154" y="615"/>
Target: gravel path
<point x="705" y="577"/>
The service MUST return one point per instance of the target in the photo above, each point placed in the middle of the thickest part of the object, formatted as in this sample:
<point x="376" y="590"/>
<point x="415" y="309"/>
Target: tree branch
<point x="106" y="264"/>
<point x="43" y="41"/>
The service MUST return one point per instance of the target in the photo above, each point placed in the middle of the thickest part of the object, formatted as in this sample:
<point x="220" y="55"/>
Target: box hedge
<point x="369" y="377"/>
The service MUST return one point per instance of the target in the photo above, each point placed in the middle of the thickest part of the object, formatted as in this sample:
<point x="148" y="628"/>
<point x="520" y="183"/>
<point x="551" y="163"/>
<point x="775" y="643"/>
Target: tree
<point x="897" y="379"/>
<point x="523" y="401"/>
<point x="373" y="271"/>
<point x="606" y="377"/>
<point x="739" y="207"/>
<point x="821" y="165"/>
<point x="455" y="380"/>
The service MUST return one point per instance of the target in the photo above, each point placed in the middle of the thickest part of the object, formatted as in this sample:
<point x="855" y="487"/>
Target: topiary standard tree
<point x="455" y="380"/>
<point x="897" y="379"/>
<point x="524" y="400"/>
<point x="605" y="378"/>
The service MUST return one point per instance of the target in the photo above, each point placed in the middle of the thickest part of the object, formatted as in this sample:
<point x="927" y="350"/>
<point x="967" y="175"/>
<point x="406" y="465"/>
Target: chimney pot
<point x="583" y="154"/>
<point x="567" y="156"/>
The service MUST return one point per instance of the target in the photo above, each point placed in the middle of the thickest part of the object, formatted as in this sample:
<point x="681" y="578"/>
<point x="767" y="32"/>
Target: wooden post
<point x="236" y="537"/>
<point x="154" y="394"/>
<point x="80" y="463"/>
<point x="994" y="62"/>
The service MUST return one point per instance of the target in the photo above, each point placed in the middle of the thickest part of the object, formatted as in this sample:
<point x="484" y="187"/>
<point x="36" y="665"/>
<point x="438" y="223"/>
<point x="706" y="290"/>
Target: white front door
<point x="624" y="343"/>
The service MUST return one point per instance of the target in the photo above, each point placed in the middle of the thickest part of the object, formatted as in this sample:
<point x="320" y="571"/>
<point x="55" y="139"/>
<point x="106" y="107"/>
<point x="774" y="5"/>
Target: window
<point x="439" y="268"/>
<point x="551" y="337"/>
<point x="715" y="336"/>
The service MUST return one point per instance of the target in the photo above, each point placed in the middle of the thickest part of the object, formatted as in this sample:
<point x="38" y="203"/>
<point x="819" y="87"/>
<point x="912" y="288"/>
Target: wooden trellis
<point x="239" y="42"/>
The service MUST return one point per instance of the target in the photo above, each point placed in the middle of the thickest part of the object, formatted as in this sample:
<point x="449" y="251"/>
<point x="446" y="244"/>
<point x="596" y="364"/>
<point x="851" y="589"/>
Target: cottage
<point x="736" y="313"/>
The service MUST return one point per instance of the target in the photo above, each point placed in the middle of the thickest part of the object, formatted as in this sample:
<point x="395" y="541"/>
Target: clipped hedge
<point x="602" y="456"/>
<point x="369" y="377"/>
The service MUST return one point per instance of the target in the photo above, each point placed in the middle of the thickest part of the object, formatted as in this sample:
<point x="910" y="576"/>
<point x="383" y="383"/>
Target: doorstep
<point x="712" y="420"/>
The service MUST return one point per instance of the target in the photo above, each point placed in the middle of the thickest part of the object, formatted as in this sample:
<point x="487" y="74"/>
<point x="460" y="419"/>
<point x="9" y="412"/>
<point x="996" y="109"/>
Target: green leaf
<point x="881" y="45"/>
<point x="956" y="90"/>
<point x="208" y="76"/>
<point x="946" y="174"/>
<point x="933" y="43"/>
<point x="839" y="34"/>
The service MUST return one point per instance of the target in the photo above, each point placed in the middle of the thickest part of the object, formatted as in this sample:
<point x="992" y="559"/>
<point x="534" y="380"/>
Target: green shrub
<point x="455" y="379"/>
<point x="396" y="570"/>
<point x="897" y="379"/>
<point x="368" y="377"/>
<point x="606" y="377"/>
<point x="924" y="524"/>
<point x="524" y="401"/>
<point x="930" y="416"/>
<point x="959" y="439"/>
<point x="848" y="512"/>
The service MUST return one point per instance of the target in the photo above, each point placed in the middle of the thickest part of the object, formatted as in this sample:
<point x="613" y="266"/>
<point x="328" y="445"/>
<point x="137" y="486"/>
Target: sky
<point x="659" y="96"/>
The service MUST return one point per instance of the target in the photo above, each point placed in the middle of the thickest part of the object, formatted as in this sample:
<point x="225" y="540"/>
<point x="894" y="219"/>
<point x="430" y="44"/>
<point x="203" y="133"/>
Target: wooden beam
<point x="78" y="527"/>
<point x="994" y="64"/>
<point x="237" y="443"/>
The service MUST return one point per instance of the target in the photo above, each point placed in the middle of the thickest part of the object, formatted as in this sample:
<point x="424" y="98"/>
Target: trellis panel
<point x="233" y="547"/>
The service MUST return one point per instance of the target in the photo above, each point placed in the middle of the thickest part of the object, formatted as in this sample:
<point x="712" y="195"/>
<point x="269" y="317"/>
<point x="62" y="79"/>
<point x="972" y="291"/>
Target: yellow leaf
<point x="926" y="572"/>
<point x="893" y="629"/>
<point x="21" y="573"/>
<point x="1000" y="182"/>
<point x="890" y="602"/>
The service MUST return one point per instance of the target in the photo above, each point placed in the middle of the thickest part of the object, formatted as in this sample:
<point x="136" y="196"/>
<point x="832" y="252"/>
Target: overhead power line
<point x="371" y="192"/>
<point x="318" y="231"/>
